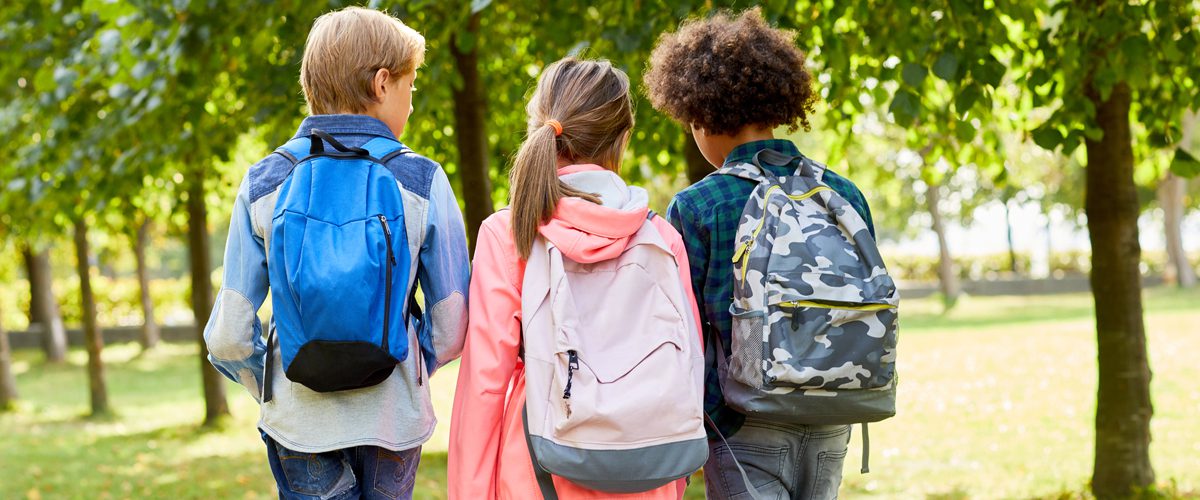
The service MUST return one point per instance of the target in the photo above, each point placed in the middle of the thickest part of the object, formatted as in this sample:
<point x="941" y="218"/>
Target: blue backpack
<point x="339" y="265"/>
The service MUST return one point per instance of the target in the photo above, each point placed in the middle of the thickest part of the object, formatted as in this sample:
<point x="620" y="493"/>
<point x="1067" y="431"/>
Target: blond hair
<point x="590" y="102"/>
<point x="345" y="49"/>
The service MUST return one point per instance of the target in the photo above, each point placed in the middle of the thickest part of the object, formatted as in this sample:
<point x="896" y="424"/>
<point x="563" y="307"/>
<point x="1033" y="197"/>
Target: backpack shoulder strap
<point x="648" y="235"/>
<point x="384" y="149"/>
<point x="295" y="150"/>
<point x="814" y="168"/>
<point x="744" y="171"/>
<point x="750" y="489"/>
<point x="544" y="479"/>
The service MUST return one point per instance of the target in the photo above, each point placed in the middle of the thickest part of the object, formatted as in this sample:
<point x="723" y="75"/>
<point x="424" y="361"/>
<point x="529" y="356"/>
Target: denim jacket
<point x="396" y="414"/>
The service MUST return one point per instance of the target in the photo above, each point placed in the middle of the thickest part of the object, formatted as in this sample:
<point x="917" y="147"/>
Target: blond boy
<point x="357" y="74"/>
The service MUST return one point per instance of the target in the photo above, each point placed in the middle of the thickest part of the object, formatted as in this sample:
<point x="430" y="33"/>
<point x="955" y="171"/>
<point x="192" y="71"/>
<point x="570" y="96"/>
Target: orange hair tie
<point x="557" y="127"/>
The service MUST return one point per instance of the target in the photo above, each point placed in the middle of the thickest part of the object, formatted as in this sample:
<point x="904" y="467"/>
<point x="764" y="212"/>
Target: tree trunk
<point x="43" y="305"/>
<point x="697" y="166"/>
<point x="1171" y="193"/>
<point x="215" y="405"/>
<point x="470" y="130"/>
<point x="1123" y="407"/>
<point x="1012" y="248"/>
<point x="947" y="275"/>
<point x="150" y="332"/>
<point x="8" y="383"/>
<point x="93" y="338"/>
<point x="31" y="273"/>
<point x="1049" y="240"/>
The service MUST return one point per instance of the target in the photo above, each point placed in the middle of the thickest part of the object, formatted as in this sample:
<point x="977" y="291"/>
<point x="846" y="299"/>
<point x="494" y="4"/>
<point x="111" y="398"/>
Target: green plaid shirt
<point x="706" y="214"/>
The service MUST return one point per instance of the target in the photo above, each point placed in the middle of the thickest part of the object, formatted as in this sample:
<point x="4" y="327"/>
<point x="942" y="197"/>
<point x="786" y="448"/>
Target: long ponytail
<point x="590" y="101"/>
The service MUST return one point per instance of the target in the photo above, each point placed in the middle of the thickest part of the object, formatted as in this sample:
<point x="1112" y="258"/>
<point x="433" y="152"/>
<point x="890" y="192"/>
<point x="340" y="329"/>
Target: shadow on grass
<point x="157" y="463"/>
<point x="957" y="493"/>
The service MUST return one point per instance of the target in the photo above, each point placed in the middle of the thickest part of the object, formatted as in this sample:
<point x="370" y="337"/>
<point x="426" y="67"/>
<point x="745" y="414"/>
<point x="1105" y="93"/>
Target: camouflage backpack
<point x="814" y="310"/>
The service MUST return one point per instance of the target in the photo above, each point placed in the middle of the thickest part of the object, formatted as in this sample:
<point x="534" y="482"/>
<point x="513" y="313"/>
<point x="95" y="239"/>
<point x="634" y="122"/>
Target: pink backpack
<point x="614" y="369"/>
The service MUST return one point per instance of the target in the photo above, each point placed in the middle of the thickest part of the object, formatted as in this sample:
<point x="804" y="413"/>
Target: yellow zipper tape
<point x="855" y="307"/>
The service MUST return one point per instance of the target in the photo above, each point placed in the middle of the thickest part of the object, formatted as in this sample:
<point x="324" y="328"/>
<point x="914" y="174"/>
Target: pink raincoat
<point x="488" y="457"/>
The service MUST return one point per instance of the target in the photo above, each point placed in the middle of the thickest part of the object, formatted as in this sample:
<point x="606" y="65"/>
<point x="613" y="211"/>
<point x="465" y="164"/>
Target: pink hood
<point x="586" y="232"/>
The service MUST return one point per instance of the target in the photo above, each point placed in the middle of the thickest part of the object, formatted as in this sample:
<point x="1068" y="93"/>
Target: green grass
<point x="996" y="401"/>
<point x="1013" y="310"/>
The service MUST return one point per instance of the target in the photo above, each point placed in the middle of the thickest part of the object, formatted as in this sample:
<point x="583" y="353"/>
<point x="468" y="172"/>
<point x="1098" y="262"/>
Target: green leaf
<point x="1001" y="177"/>
<point x="1105" y="80"/>
<point x="1136" y="49"/>
<point x="1048" y="138"/>
<point x="946" y="66"/>
<point x="990" y="72"/>
<point x="914" y="74"/>
<point x="879" y="93"/>
<point x="1158" y="139"/>
<point x="966" y="98"/>
<point x="1038" y="78"/>
<point x="1164" y="136"/>
<point x="905" y="106"/>
<point x="1184" y="164"/>
<point x="964" y="131"/>
<point x="1071" y="143"/>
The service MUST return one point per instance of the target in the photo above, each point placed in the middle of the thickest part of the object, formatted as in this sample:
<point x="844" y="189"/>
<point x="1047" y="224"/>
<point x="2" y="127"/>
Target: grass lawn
<point x="996" y="401"/>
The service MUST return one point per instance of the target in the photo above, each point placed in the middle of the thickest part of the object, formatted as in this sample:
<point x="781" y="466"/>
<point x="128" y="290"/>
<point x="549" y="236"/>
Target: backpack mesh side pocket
<point x="746" y="358"/>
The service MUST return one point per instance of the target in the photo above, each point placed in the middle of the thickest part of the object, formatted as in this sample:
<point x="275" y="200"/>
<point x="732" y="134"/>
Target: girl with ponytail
<point x="565" y="187"/>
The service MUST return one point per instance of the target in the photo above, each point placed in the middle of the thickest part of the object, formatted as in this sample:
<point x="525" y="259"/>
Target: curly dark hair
<point x="724" y="73"/>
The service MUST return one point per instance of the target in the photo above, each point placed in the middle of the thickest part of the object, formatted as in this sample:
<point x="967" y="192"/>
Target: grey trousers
<point x="783" y="461"/>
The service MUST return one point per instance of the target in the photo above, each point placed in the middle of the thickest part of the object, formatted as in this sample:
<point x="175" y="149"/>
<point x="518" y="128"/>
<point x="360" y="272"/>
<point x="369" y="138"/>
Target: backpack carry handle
<point x="772" y="157"/>
<point x="318" y="147"/>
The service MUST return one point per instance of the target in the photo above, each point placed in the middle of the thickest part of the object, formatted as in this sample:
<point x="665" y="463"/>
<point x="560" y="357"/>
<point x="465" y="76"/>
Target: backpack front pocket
<point x="828" y="346"/>
<point x="817" y="332"/>
<point x="339" y="336"/>
<point x="599" y="401"/>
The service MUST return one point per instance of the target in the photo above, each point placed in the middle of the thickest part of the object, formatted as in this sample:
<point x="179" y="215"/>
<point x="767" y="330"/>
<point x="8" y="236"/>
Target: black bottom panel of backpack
<point x="328" y="366"/>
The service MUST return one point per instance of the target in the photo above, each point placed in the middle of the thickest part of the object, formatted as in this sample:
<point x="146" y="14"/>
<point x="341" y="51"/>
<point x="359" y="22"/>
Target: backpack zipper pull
<point x="572" y="365"/>
<point x="795" y="318"/>
<point x="420" y="365"/>
<point x="387" y="231"/>
<point x="741" y="249"/>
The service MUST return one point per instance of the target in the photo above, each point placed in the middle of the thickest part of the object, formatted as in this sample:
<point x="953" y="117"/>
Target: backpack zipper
<point x="387" y="295"/>
<point x="572" y="365"/>
<point x="743" y="252"/>
<point x="796" y="304"/>
<point x="851" y="307"/>
<point x="387" y="290"/>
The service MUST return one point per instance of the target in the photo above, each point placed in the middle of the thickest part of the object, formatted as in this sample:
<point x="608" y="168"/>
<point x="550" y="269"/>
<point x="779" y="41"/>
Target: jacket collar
<point x="344" y="124"/>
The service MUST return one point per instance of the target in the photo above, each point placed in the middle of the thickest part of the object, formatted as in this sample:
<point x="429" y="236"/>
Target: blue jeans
<point x="367" y="472"/>
<point x="783" y="461"/>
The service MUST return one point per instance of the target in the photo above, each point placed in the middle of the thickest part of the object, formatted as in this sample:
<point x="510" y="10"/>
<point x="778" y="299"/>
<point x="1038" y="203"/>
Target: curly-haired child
<point x="733" y="80"/>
